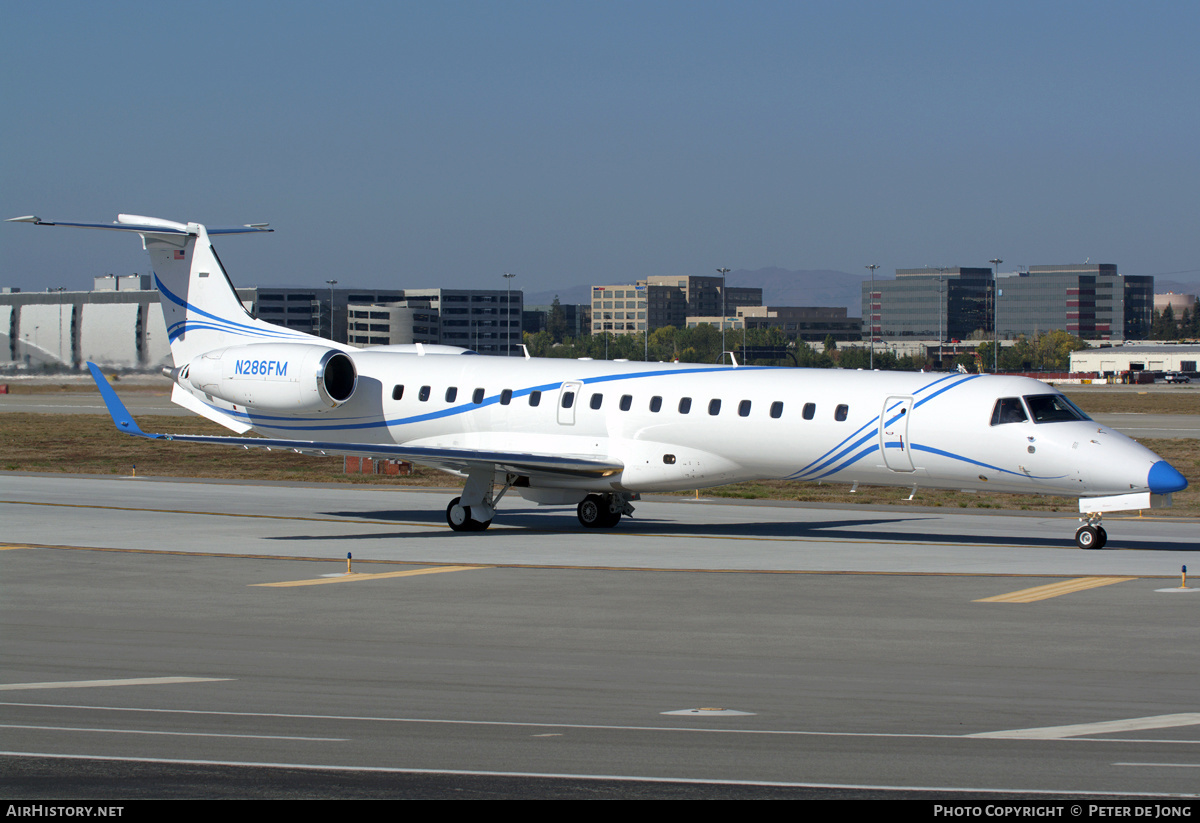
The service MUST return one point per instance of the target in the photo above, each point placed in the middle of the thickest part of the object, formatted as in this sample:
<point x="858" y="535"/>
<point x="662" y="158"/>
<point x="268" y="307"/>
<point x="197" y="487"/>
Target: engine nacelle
<point x="293" y="378"/>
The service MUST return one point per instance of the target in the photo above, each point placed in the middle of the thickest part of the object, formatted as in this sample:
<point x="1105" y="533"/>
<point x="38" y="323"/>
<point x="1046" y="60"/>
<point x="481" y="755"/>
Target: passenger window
<point x="714" y="406"/>
<point x="451" y="394"/>
<point x="777" y="409"/>
<point x="685" y="405"/>
<point x="744" y="408"/>
<point x="1008" y="410"/>
<point x="423" y="395"/>
<point x="841" y="412"/>
<point x="568" y="399"/>
<point x="597" y="399"/>
<point x="655" y="403"/>
<point x="626" y="402"/>
<point x="397" y="392"/>
<point x="477" y="397"/>
<point x="810" y="409"/>
<point x="505" y="397"/>
<point x="535" y="397"/>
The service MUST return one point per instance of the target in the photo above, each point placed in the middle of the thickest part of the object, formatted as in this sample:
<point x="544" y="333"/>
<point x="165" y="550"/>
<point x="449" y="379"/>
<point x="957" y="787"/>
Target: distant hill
<point x="781" y="287"/>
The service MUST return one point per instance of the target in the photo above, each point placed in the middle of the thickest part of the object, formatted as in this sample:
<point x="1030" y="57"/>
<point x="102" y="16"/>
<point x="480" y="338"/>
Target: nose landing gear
<point x="1091" y="535"/>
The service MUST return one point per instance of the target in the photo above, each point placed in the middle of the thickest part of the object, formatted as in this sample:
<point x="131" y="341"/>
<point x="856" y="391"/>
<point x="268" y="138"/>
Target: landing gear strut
<point x="473" y="512"/>
<point x="1091" y="535"/>
<point x="603" y="511"/>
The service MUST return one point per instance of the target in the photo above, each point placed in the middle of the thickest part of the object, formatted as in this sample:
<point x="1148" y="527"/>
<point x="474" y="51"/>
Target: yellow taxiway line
<point x="1054" y="590"/>
<point x="355" y="577"/>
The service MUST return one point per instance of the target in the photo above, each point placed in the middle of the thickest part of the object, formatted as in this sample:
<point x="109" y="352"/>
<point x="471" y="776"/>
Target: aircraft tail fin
<point x="199" y="302"/>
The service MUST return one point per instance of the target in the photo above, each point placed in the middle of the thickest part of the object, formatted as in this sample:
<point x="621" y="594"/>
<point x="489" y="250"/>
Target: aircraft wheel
<point x="592" y="512"/>
<point x="1088" y="538"/>
<point x="1101" y="537"/>
<point x="458" y="516"/>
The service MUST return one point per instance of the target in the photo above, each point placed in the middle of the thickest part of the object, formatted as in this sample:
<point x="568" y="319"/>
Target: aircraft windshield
<point x="1008" y="410"/>
<point x="1053" y="408"/>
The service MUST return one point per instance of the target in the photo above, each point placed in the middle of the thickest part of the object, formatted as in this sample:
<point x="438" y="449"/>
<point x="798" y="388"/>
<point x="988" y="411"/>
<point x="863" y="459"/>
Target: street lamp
<point x="996" y="261"/>
<point x="331" y="284"/>
<point x="872" y="267"/>
<point x="508" y="276"/>
<point x="60" y="290"/>
<point x="723" y="272"/>
<point x="940" y="281"/>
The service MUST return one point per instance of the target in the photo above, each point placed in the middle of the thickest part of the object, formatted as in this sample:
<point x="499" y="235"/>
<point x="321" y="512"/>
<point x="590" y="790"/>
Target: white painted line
<point x="93" y="684"/>
<point x="1162" y="721"/>
<point x="1163" y="765"/>
<point x="1191" y="720"/>
<point x="177" y="734"/>
<point x="622" y="778"/>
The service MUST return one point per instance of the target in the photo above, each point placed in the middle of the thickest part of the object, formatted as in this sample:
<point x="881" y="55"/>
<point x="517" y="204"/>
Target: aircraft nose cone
<point x="1164" y="479"/>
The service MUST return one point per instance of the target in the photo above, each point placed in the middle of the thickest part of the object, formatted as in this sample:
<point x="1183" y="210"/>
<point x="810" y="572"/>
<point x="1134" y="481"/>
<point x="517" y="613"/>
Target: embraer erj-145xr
<point x="597" y="434"/>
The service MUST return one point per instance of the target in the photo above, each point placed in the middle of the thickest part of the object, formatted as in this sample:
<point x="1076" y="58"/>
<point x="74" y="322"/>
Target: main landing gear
<point x="459" y="518"/>
<point x="603" y="511"/>
<point x="473" y="512"/>
<point x="1091" y="535"/>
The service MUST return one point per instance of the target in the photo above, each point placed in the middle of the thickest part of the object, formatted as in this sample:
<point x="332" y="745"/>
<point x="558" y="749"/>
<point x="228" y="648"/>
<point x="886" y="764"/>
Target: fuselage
<point x="682" y="426"/>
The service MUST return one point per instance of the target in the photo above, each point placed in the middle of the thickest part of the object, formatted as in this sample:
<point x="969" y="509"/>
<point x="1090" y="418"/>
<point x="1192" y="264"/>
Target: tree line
<point x="1165" y="326"/>
<point x="1050" y="351"/>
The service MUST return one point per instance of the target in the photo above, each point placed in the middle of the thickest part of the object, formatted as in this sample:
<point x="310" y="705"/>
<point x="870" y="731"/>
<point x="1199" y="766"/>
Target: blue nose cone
<point x="1164" y="479"/>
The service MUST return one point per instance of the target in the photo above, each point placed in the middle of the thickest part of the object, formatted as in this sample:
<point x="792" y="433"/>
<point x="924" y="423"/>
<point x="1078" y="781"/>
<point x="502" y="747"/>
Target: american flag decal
<point x="179" y="254"/>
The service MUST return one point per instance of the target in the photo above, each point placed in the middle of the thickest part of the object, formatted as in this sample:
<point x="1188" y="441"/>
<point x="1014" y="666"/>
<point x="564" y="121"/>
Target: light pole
<point x="508" y="276"/>
<point x="60" y="290"/>
<point x="995" y="261"/>
<point x="723" y="272"/>
<point x="941" y="279"/>
<point x="940" y="292"/>
<point x="872" y="267"/>
<point x="644" y="297"/>
<point x="331" y="284"/>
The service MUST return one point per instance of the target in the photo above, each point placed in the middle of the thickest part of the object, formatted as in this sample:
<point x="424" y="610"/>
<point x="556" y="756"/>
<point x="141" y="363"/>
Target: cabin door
<point x="568" y="398"/>
<point x="893" y="433"/>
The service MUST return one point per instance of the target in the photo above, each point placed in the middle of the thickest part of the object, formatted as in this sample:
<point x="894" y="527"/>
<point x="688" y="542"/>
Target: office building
<point x="1090" y="300"/>
<point x="662" y="300"/>
<point x="929" y="303"/>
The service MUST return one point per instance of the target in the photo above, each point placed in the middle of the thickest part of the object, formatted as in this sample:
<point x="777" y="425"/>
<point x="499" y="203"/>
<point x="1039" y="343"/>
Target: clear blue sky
<point x="443" y="143"/>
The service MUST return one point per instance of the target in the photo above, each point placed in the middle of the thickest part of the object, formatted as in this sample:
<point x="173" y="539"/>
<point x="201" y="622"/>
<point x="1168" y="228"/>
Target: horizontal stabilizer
<point x="143" y="225"/>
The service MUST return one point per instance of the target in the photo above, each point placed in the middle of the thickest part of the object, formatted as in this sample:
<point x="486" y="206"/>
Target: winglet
<point x="120" y="415"/>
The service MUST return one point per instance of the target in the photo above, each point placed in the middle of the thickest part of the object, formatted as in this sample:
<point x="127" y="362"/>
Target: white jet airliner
<point x="597" y="434"/>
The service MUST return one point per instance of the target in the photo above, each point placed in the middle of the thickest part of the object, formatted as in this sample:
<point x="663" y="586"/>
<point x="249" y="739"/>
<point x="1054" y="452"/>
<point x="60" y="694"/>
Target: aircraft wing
<point x="460" y="460"/>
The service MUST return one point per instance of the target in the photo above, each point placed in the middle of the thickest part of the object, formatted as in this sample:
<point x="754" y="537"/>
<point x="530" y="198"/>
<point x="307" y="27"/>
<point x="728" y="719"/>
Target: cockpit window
<point x="1053" y="408"/>
<point x="1008" y="410"/>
